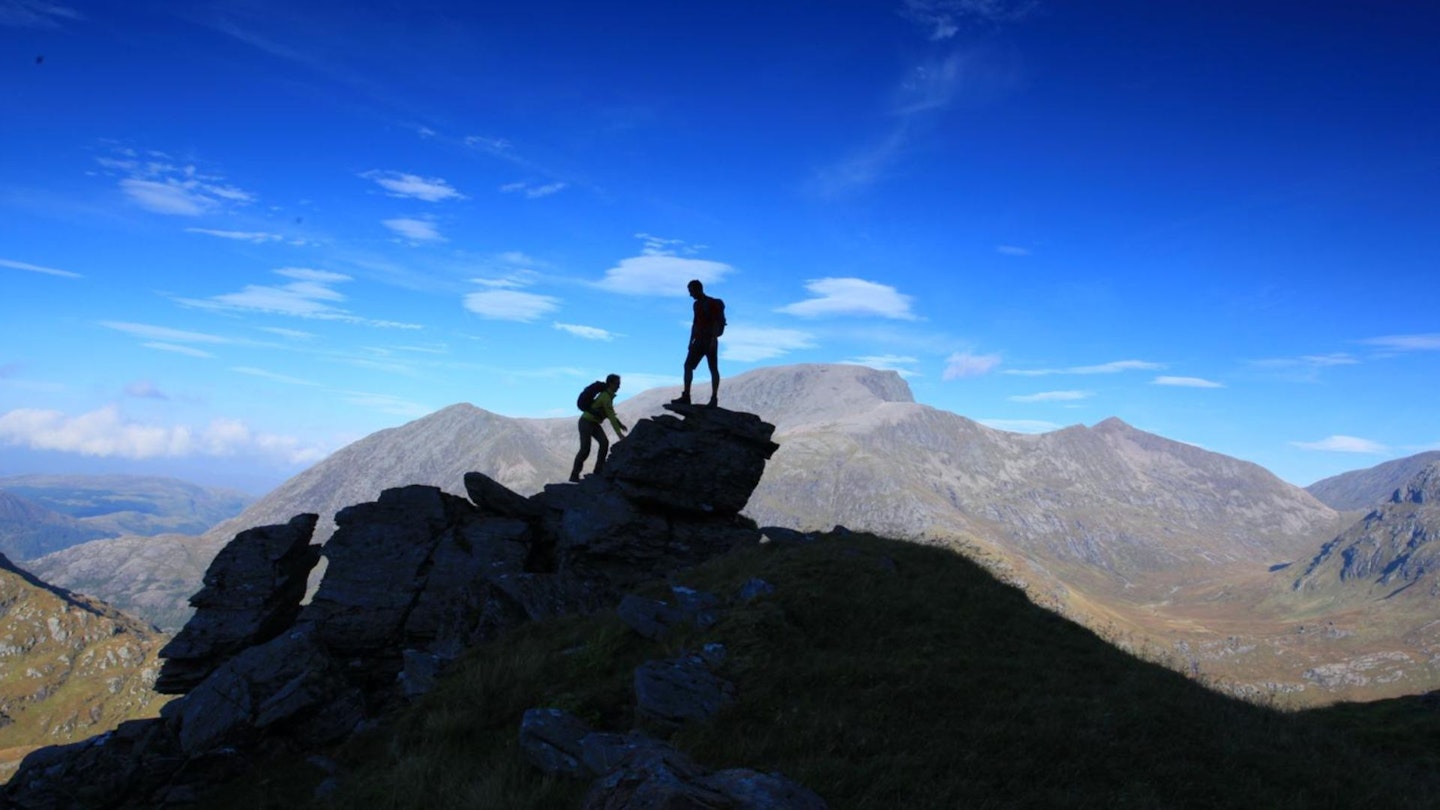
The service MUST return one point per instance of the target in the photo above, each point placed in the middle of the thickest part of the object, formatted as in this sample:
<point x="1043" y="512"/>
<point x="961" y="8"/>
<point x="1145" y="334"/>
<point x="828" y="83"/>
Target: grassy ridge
<point x="884" y="674"/>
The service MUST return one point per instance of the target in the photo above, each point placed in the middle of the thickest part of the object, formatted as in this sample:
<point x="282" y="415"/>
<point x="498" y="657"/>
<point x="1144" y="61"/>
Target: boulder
<point x="678" y="691"/>
<point x="706" y="464"/>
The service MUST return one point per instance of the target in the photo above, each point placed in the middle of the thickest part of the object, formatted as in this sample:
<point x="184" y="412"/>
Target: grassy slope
<point x="885" y="674"/>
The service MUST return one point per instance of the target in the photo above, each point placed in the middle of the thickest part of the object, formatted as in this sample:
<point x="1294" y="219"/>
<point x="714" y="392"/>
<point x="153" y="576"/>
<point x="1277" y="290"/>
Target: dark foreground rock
<point x="412" y="579"/>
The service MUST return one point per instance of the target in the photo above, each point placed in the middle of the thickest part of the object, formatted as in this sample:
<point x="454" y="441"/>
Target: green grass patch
<point x="884" y="674"/>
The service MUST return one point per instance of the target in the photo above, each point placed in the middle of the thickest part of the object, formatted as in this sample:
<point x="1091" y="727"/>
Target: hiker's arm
<point x="615" y="422"/>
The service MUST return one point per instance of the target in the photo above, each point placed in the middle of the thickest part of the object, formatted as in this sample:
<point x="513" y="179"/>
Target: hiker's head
<point x="696" y="288"/>
<point x="612" y="382"/>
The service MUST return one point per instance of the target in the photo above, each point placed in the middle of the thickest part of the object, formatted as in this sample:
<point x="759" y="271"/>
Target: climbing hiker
<point x="597" y="403"/>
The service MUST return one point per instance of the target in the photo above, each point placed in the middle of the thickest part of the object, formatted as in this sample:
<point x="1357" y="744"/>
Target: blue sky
<point x="236" y="235"/>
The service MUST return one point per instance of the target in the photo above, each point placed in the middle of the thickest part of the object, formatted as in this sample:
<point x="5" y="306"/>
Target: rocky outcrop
<point x="252" y="593"/>
<point x="1391" y="548"/>
<point x="411" y="579"/>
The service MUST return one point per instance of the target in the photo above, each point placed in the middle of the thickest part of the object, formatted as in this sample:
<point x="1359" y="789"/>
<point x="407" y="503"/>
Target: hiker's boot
<point x="713" y="403"/>
<point x="683" y="399"/>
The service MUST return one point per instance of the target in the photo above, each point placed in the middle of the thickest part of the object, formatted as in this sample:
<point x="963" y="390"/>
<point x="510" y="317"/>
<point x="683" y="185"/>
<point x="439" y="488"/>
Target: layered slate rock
<point x="252" y="593"/>
<point x="412" y="579"/>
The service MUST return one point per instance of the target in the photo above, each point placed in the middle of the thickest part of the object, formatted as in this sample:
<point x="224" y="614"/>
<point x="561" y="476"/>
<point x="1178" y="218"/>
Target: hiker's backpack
<point x="586" y="400"/>
<point x="717" y="315"/>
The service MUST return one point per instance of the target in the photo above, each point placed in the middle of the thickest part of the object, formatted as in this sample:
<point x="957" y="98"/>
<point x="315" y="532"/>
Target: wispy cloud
<point x="159" y="183"/>
<point x="109" y="434"/>
<point x="888" y="362"/>
<point x="533" y="191"/>
<point x="851" y="296"/>
<point x="1309" y="361"/>
<point x="928" y="88"/>
<point x="36" y="14"/>
<point x="748" y="344"/>
<point x="1053" y="396"/>
<point x="659" y="270"/>
<point x="587" y="332"/>
<point x="1012" y="250"/>
<point x="165" y="333"/>
<point x="943" y="19"/>
<point x="272" y="376"/>
<point x="1114" y="367"/>
<point x="1407" y="343"/>
<point x="145" y="389"/>
<point x="967" y="364"/>
<point x="511" y="305"/>
<point x="415" y="230"/>
<point x="1187" y="382"/>
<point x="292" y="334"/>
<point x="35" y="268"/>
<point x="388" y="404"/>
<point x="175" y="348"/>
<point x="1344" y="444"/>
<point x="413" y="186"/>
<point x="257" y="237"/>
<point x="311" y="294"/>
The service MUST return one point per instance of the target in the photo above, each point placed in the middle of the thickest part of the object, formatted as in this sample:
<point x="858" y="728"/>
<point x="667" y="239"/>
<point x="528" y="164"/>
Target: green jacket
<point x="605" y="401"/>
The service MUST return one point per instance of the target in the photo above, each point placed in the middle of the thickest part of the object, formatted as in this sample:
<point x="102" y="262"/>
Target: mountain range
<point x="1170" y="550"/>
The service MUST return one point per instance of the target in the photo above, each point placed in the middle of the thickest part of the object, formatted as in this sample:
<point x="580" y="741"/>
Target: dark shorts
<point x="708" y="349"/>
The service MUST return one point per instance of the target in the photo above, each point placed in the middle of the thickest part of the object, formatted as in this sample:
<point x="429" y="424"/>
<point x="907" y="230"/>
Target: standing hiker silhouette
<point x="705" y="331"/>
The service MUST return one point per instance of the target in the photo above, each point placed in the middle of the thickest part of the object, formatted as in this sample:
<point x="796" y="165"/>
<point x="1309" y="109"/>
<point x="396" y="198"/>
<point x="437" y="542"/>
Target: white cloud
<point x="966" y="364"/>
<point x="107" y="433"/>
<point x="1012" y="250"/>
<point x="308" y="296"/>
<point x="1407" y="343"/>
<point x="661" y="274"/>
<point x="257" y="237"/>
<point x="851" y="296"/>
<point x="1344" y="444"/>
<point x="1053" y="396"/>
<point x="533" y="191"/>
<point x="749" y="344"/>
<point x="308" y="274"/>
<point x="166" y="187"/>
<point x="587" y="332"/>
<point x="413" y="186"/>
<point x="416" y="230"/>
<point x="35" y="268"/>
<point x="1020" y="425"/>
<point x="510" y="305"/>
<point x="1115" y="367"/>
<point x="35" y="14"/>
<point x="1187" y="382"/>
<point x="888" y="362"/>
<point x="173" y="348"/>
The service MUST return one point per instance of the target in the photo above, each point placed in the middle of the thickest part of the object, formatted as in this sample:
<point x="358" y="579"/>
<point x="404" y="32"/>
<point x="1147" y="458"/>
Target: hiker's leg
<point x="584" y="449"/>
<point x="602" y="447"/>
<point x="692" y="359"/>
<point x="713" y="358"/>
